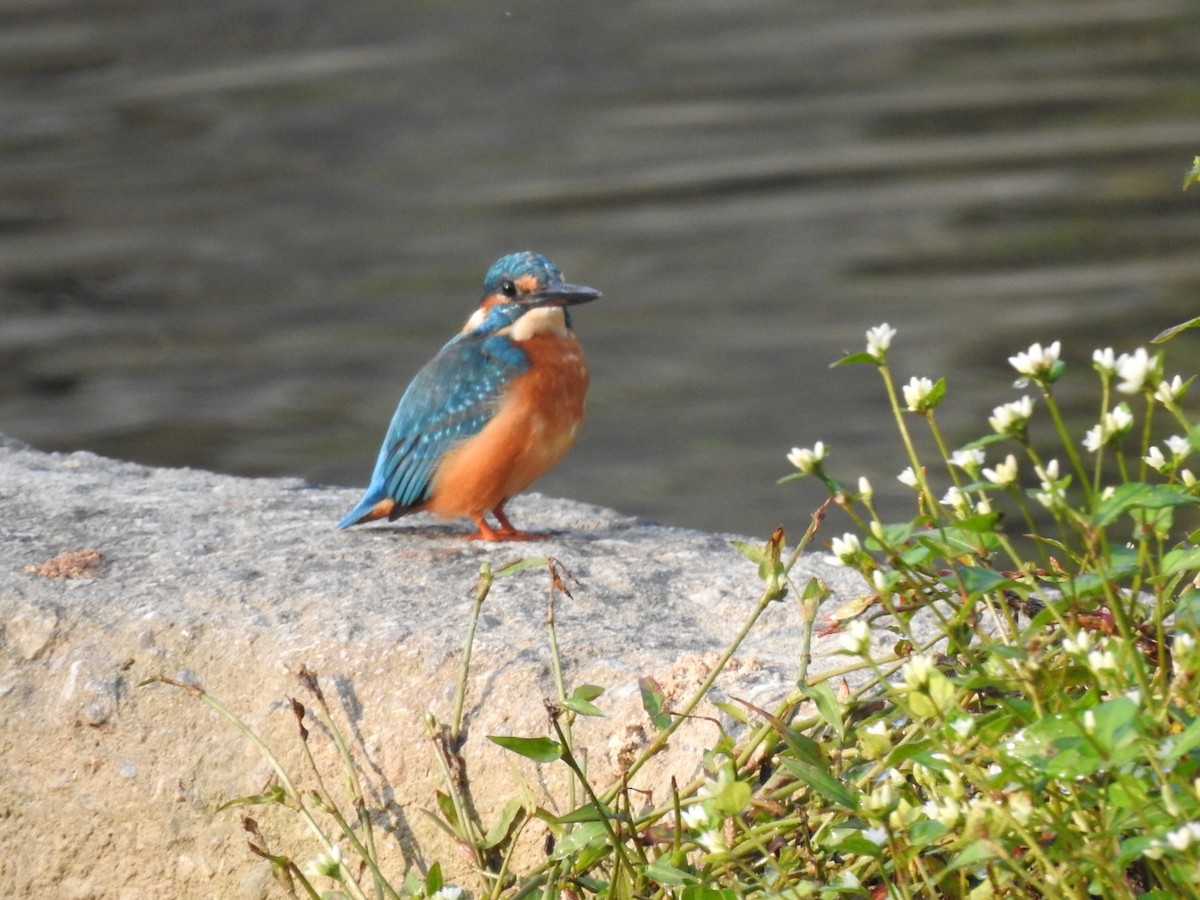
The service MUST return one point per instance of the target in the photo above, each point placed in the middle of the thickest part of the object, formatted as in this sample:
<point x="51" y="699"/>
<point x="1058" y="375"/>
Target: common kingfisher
<point x="497" y="408"/>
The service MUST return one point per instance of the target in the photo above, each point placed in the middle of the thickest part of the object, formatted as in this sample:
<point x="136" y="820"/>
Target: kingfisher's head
<point x="526" y="286"/>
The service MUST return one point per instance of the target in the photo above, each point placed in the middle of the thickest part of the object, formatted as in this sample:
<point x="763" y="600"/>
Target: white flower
<point x="806" y="460"/>
<point x="713" y="841"/>
<point x="908" y="477"/>
<point x="1186" y="476"/>
<point x="1005" y="474"/>
<point x="1113" y="425"/>
<point x="963" y="725"/>
<point x="968" y="460"/>
<point x="1047" y="474"/>
<point x="328" y="864"/>
<point x="845" y="548"/>
<point x="1155" y="459"/>
<point x="1104" y="362"/>
<point x="1011" y="418"/>
<point x="946" y="811"/>
<point x="957" y="501"/>
<point x="865" y="491"/>
<point x="1178" y="445"/>
<point x="1102" y="661"/>
<point x="879" y="581"/>
<point x="449" y="892"/>
<point x="1169" y="393"/>
<point x="1183" y="836"/>
<point x="1037" y="361"/>
<point x="1020" y="806"/>
<point x="1134" y="369"/>
<point x="877" y="835"/>
<point x="916" y="392"/>
<point x="1080" y="644"/>
<point x="1089" y="721"/>
<point x="917" y="671"/>
<point x="696" y="817"/>
<point x="879" y="339"/>
<point x="880" y="800"/>
<point x="1183" y="644"/>
<point x="856" y="639"/>
<point x="1121" y="418"/>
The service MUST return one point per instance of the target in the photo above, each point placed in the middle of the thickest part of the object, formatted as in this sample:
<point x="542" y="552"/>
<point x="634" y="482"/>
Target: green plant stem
<point x="285" y="779"/>
<point x="616" y="842"/>
<point x="560" y="684"/>
<point x="1065" y="436"/>
<point x="486" y="579"/>
<point x="660" y="740"/>
<point x="906" y="438"/>
<point x="351" y="770"/>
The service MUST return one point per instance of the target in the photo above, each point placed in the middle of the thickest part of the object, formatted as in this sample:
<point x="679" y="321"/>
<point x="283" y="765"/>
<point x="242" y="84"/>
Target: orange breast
<point x="537" y="423"/>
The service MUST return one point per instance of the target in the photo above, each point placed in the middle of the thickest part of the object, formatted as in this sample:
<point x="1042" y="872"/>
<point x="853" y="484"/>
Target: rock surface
<point x="111" y="573"/>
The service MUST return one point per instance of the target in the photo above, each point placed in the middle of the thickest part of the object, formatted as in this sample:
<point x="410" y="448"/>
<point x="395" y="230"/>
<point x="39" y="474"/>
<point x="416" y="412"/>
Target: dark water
<point x="231" y="232"/>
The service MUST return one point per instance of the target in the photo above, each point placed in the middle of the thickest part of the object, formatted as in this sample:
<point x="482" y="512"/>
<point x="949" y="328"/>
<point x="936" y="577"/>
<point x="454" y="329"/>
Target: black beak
<point x="558" y="293"/>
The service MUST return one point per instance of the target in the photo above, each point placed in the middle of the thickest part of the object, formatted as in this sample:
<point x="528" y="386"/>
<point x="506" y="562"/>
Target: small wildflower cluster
<point x="1053" y="714"/>
<point x="709" y="818"/>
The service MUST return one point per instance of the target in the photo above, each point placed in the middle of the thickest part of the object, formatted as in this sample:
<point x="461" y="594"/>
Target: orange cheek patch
<point x="526" y="284"/>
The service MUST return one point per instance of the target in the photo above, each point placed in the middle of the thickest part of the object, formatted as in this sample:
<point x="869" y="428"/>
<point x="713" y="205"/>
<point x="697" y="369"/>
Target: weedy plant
<point x="1013" y="715"/>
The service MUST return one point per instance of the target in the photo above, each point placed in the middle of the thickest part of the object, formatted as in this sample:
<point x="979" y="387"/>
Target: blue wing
<point x="453" y="397"/>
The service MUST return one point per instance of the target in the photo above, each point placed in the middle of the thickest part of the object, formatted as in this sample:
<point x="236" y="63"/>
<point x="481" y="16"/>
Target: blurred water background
<point x="230" y="232"/>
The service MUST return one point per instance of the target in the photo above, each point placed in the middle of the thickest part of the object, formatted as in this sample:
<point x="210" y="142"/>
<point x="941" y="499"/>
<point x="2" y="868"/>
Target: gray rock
<point x="109" y="789"/>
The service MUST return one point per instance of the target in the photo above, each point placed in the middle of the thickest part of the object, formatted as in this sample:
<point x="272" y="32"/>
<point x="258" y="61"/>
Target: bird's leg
<point x="507" y="531"/>
<point x="485" y="532"/>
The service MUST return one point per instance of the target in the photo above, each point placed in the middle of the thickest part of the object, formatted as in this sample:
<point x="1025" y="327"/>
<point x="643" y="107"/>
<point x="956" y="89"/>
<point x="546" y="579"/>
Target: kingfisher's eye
<point x="508" y="289"/>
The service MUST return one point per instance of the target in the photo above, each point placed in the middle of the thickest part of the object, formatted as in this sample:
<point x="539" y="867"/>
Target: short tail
<point x="369" y="508"/>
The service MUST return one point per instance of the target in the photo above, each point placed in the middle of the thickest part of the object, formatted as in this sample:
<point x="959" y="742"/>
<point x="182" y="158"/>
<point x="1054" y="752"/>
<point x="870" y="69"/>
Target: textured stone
<point x="110" y="789"/>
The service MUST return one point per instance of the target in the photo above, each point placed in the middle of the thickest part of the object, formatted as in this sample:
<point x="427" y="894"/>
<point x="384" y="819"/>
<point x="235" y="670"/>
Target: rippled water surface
<point x="231" y="232"/>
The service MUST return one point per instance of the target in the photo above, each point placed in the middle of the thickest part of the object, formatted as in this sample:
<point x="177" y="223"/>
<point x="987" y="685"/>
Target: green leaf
<point x="979" y="581"/>
<point x="822" y="695"/>
<point x="275" y="794"/>
<point x="587" y="834"/>
<point x="893" y="536"/>
<point x="434" y="881"/>
<point x="587" y="813"/>
<point x="853" y="358"/>
<point x="520" y="564"/>
<point x="981" y="523"/>
<point x="653" y="701"/>
<point x="540" y="749"/>
<point x="703" y="892"/>
<point x="1139" y="495"/>
<point x="503" y="826"/>
<point x="732" y="797"/>
<point x="952" y="541"/>
<point x="974" y="853"/>
<point x="661" y="872"/>
<point x="752" y="552"/>
<point x="583" y="707"/>
<point x="934" y="397"/>
<point x="736" y="713"/>
<point x="822" y="781"/>
<point x="1181" y="559"/>
<point x="446" y="807"/>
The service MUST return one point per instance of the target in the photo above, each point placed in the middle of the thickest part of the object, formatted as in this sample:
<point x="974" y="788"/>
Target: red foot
<point x="506" y="531"/>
